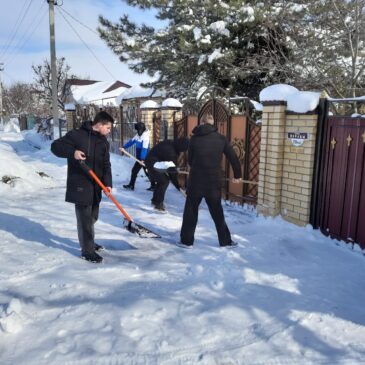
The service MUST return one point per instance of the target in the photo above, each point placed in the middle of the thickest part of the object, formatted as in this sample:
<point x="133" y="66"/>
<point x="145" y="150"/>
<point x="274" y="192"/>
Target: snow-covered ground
<point x="286" y="295"/>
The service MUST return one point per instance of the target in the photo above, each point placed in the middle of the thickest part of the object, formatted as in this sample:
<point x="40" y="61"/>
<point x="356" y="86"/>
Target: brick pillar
<point x="70" y="111"/>
<point x="298" y="168"/>
<point x="167" y="116"/>
<point x="147" y="118"/>
<point x="286" y="164"/>
<point x="271" y="158"/>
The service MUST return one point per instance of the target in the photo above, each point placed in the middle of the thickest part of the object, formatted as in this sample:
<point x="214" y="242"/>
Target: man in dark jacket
<point x="163" y="152"/>
<point x="88" y="144"/>
<point x="206" y="149"/>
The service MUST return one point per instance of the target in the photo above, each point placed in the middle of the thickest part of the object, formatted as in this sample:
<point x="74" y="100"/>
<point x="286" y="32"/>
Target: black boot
<point x="128" y="187"/>
<point x="92" y="257"/>
<point x="151" y="188"/>
<point x="99" y="247"/>
<point x="160" y="207"/>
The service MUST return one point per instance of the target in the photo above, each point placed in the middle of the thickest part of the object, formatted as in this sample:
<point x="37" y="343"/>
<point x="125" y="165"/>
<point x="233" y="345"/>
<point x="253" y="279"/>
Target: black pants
<point x="86" y="216"/>
<point x="161" y="181"/>
<point x="190" y="219"/>
<point x="135" y="170"/>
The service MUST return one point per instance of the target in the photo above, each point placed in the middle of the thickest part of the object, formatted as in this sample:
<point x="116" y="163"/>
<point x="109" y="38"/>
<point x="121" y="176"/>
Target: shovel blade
<point x="143" y="232"/>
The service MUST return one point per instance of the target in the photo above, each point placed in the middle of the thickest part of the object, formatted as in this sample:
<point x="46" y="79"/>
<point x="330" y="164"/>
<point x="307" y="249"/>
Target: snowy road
<point x="286" y="295"/>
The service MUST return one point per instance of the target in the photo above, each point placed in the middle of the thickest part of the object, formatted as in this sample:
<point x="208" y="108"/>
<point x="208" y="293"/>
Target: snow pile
<point x="297" y="101"/>
<point x="12" y="126"/>
<point x="171" y="103"/>
<point x="15" y="174"/>
<point x="11" y="319"/>
<point x="150" y="104"/>
<point x="37" y="140"/>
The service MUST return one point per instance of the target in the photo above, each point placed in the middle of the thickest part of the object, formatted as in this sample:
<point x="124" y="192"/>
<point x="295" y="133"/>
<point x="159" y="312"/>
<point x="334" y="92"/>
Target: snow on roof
<point x="297" y="101"/>
<point x="95" y="93"/>
<point x="138" y="92"/>
<point x="171" y="102"/>
<point x="150" y="104"/>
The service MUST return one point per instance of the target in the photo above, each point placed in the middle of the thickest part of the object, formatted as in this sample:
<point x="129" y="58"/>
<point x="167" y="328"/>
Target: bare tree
<point x="43" y="84"/>
<point x="21" y="98"/>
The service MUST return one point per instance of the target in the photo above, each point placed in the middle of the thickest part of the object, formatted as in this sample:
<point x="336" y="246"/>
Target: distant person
<point x="206" y="149"/>
<point x="87" y="144"/>
<point x="163" y="152"/>
<point x="142" y="142"/>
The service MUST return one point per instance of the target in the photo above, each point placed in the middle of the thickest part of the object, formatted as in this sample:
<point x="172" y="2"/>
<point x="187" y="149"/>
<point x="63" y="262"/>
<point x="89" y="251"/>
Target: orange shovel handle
<point x="109" y="195"/>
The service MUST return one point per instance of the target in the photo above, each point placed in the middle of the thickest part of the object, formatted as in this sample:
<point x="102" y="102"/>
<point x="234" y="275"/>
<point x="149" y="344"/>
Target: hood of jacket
<point x="204" y="129"/>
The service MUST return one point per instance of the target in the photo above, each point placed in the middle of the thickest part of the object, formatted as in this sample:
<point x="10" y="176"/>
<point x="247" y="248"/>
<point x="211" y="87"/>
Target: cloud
<point x="29" y="36"/>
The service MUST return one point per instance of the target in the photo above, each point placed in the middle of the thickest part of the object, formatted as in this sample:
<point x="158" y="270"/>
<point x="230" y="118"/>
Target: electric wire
<point x="86" y="45"/>
<point x="26" y="36"/>
<point x="78" y="21"/>
<point x="3" y="53"/>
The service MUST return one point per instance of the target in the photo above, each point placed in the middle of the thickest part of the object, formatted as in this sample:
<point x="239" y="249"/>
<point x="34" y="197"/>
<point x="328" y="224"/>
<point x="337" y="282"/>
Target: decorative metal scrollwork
<point x="239" y="147"/>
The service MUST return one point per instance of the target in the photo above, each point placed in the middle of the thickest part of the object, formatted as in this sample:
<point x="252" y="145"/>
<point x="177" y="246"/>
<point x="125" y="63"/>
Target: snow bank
<point x="297" y="101"/>
<point x="19" y="175"/>
<point x="171" y="102"/>
<point x="12" y="319"/>
<point x="12" y="126"/>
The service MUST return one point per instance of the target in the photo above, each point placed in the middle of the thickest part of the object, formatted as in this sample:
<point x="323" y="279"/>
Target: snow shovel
<point x="129" y="155"/>
<point x="130" y="225"/>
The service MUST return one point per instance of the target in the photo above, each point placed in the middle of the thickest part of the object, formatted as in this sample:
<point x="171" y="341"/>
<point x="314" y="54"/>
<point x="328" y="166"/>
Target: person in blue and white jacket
<point x="142" y="142"/>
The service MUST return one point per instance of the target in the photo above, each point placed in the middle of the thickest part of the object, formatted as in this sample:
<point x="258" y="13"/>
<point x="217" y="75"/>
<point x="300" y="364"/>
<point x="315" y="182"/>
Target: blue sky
<point x="24" y="38"/>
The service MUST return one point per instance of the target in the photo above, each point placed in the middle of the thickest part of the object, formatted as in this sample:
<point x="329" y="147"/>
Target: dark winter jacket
<point x="166" y="151"/>
<point x="206" y="149"/>
<point x="81" y="189"/>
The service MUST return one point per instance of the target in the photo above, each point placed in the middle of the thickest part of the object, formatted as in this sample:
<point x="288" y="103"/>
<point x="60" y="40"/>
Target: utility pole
<point x="56" y="122"/>
<point x="1" y="94"/>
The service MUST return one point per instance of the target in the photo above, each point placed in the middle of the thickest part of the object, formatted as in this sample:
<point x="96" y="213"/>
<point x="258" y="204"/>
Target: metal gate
<point x="343" y="210"/>
<point x="244" y="135"/>
<point x="338" y="191"/>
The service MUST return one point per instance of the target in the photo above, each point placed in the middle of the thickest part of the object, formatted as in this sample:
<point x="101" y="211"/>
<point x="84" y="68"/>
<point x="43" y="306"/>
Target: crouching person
<point x="164" y="151"/>
<point x="88" y="144"/>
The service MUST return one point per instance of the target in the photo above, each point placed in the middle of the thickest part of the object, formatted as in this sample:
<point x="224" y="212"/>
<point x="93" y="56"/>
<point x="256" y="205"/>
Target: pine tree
<point x="206" y="43"/>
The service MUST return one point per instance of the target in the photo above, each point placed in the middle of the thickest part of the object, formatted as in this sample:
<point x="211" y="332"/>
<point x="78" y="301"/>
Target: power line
<point x="26" y="36"/>
<point x="78" y="21"/>
<point x="16" y="29"/>
<point x="85" y="44"/>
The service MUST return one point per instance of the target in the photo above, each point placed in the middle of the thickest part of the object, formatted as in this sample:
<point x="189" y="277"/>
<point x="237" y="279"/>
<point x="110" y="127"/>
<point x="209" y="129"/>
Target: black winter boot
<point x="128" y="187"/>
<point x="99" y="247"/>
<point x="92" y="257"/>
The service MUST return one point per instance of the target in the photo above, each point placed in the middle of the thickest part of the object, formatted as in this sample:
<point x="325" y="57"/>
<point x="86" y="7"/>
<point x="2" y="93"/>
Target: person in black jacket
<point x="206" y="149"/>
<point x="164" y="151"/>
<point x="88" y="144"/>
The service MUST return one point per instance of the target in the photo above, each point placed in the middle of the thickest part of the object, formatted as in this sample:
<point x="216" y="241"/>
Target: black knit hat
<point x="140" y="128"/>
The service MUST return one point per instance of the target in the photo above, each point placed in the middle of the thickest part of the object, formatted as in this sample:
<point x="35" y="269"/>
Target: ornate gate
<point x="245" y="136"/>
